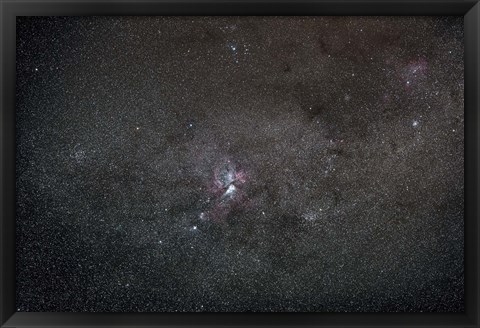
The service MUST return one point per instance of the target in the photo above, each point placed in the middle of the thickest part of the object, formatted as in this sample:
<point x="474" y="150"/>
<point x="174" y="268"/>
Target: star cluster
<point x="240" y="164"/>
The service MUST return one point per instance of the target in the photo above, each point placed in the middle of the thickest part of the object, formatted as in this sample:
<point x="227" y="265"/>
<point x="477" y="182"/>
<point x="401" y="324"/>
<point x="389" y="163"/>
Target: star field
<point x="240" y="164"/>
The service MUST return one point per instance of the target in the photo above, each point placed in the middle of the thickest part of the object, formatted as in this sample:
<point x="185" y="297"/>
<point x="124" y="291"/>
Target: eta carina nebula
<point x="227" y="191"/>
<point x="231" y="164"/>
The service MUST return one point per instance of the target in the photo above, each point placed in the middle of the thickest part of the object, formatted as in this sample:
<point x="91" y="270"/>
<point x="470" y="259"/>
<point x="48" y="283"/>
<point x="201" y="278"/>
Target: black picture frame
<point x="11" y="9"/>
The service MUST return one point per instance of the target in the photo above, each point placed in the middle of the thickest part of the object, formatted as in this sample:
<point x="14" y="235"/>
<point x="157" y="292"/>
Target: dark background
<point x="345" y="133"/>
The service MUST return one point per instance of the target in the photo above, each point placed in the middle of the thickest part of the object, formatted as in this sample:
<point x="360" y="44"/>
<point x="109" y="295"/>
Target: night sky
<point x="240" y="164"/>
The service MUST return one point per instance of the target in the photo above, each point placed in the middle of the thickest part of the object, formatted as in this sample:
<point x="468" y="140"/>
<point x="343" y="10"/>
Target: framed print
<point x="222" y="163"/>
